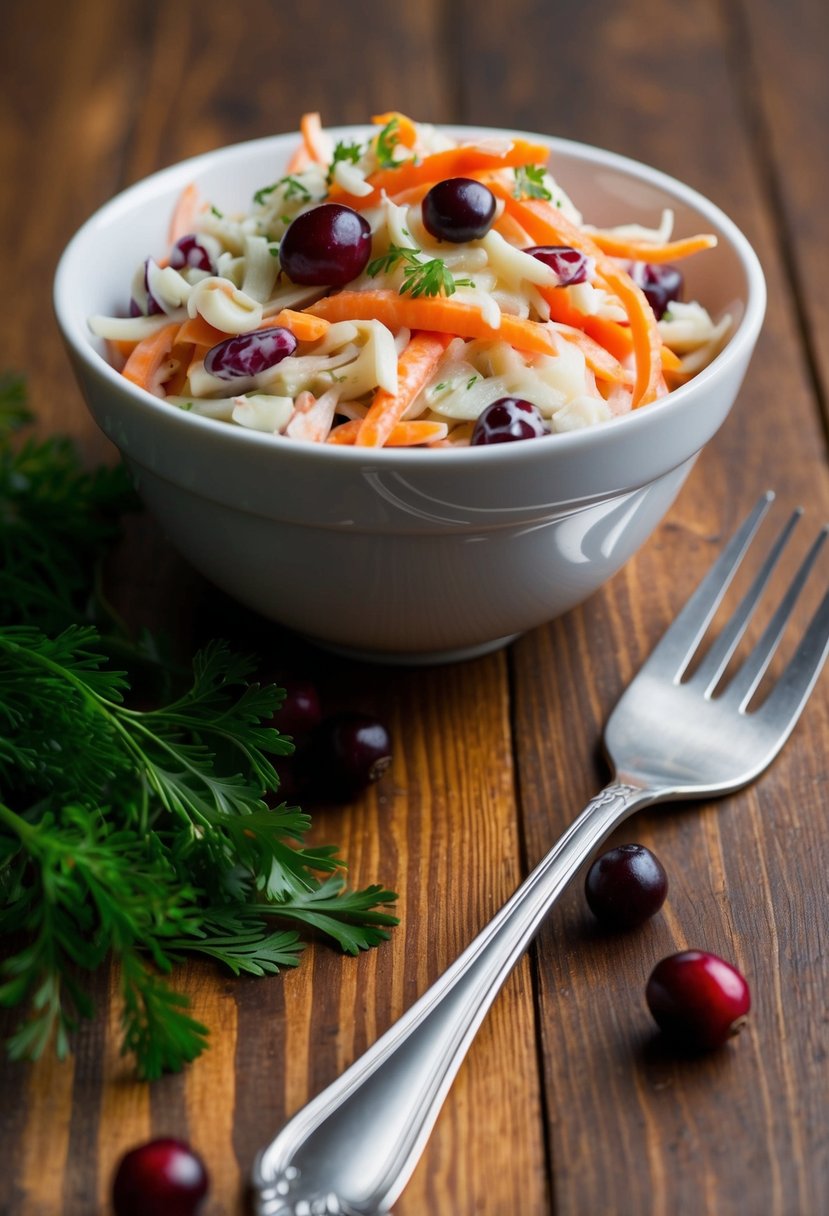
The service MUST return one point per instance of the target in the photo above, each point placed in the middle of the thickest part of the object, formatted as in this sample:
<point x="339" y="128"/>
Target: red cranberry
<point x="698" y="1000"/>
<point x="507" y="419"/>
<point x="661" y="283"/>
<point x="300" y="712"/>
<point x="350" y="751"/>
<point x="327" y="246"/>
<point x="626" y="886"/>
<point x="249" y="354"/>
<point x="569" y="265"/>
<point x="163" y="1177"/>
<point x="458" y="209"/>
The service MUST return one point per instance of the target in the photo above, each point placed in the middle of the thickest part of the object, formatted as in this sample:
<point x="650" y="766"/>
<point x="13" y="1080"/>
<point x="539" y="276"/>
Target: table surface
<point x="567" y="1102"/>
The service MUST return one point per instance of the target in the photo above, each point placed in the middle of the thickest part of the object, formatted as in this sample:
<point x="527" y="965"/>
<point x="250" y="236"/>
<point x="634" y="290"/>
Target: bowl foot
<point x="408" y="658"/>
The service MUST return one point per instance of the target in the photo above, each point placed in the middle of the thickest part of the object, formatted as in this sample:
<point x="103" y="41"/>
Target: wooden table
<point x="567" y="1102"/>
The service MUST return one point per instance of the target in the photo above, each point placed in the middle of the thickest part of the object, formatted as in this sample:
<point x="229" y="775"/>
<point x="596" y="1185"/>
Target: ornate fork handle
<point x="352" y="1149"/>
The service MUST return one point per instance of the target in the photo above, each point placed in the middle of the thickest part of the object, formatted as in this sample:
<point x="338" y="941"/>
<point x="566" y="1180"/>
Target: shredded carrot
<point x="184" y="214"/>
<point x="402" y="434"/>
<point x="671" y="361"/>
<point x="439" y="313"/>
<point x="601" y="362"/>
<point x="406" y="131"/>
<point x="315" y="138"/>
<point x="299" y="160"/>
<point x="303" y="325"/>
<point x="612" y="335"/>
<point x="146" y="360"/>
<point x="453" y="162"/>
<point x="415" y="366"/>
<point x="546" y="224"/>
<point x="122" y="346"/>
<point x="200" y="332"/>
<point x="652" y="251"/>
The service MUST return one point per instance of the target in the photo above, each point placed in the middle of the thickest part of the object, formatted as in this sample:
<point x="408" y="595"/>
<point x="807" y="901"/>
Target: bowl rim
<point x="598" y="434"/>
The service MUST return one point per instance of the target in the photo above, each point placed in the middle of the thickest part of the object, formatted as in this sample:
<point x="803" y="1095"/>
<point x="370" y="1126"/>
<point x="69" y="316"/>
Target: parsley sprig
<point x="141" y="833"/>
<point x="290" y="186"/>
<point x="530" y="183"/>
<point x="349" y="152"/>
<point x="431" y="277"/>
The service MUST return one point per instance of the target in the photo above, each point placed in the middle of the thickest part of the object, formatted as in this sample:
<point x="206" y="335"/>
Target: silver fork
<point x="352" y="1149"/>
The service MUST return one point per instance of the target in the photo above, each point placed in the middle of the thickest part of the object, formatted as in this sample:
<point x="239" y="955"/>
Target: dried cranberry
<point x="569" y="265"/>
<point x="507" y="419"/>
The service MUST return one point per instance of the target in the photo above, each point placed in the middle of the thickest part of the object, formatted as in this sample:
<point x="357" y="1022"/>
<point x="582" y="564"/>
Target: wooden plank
<point x="633" y="1129"/>
<point x="779" y="57"/>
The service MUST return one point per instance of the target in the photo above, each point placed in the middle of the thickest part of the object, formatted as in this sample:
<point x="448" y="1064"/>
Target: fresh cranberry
<point x="698" y="1000"/>
<point x="626" y="886"/>
<point x="300" y="712"/>
<point x="507" y="419"/>
<point x="661" y="283"/>
<point x="458" y="209"/>
<point x="327" y="246"/>
<point x="161" y="1178"/>
<point x="569" y="265"/>
<point x="349" y="752"/>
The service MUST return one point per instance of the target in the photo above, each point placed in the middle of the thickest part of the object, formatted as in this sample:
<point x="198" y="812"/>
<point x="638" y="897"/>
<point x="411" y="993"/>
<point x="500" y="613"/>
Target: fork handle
<point x="352" y="1149"/>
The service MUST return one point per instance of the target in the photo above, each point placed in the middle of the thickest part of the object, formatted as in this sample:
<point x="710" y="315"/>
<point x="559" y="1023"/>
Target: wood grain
<point x="568" y="1102"/>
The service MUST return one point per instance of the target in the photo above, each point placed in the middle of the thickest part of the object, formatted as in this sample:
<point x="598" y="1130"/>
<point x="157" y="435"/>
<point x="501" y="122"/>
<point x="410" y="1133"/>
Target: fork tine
<point x="791" y="692"/>
<point x="744" y="684"/>
<point x="711" y="669"/>
<point x="673" y="653"/>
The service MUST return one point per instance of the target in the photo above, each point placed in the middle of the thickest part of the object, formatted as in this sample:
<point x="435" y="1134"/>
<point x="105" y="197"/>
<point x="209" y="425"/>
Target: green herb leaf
<point x="529" y="183"/>
<point x="347" y="152"/>
<point x="140" y="833"/>
<point x="429" y="278"/>
<point x="290" y="186"/>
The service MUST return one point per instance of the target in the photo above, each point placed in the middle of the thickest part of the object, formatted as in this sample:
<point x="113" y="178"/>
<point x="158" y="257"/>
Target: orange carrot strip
<point x="671" y="361"/>
<point x="304" y="326"/>
<point x="446" y="316"/>
<point x="345" y="432"/>
<point x="612" y="335"/>
<point x="453" y="162"/>
<point x="415" y="366"/>
<point x="406" y="131"/>
<point x="145" y="361"/>
<point x="200" y="332"/>
<point x="545" y="223"/>
<point x="650" y="251"/>
<point x="418" y="430"/>
<point x="402" y="434"/>
<point x="310" y="126"/>
<point x="601" y="362"/>
<point x="122" y="346"/>
<point x="184" y="214"/>
<point x="300" y="159"/>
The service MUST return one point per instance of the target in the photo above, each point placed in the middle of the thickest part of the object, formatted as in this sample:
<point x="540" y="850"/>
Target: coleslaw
<point x="392" y="292"/>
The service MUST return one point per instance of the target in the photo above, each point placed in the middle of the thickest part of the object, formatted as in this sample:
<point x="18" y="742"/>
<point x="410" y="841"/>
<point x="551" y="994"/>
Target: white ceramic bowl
<point x="406" y="556"/>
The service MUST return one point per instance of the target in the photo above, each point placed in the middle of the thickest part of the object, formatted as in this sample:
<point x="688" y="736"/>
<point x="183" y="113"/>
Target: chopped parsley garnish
<point x="430" y="278"/>
<point x="529" y="183"/>
<point x="215" y="211"/>
<point x="293" y="188"/>
<point x="385" y="144"/>
<point x="349" y="153"/>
